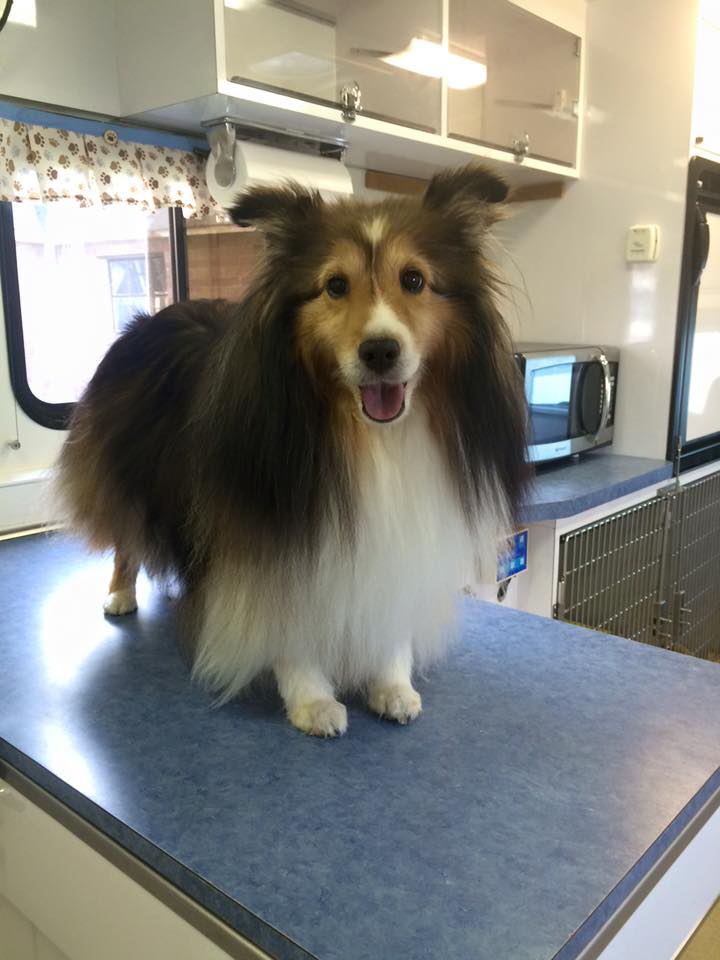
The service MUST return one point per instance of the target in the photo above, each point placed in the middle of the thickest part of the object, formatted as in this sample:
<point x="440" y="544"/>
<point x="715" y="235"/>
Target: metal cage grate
<point x="650" y="572"/>
<point x="693" y="588"/>
<point x="610" y="570"/>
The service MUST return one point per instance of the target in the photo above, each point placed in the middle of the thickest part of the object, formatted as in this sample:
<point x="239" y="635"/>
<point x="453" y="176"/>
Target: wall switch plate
<point x="642" y="243"/>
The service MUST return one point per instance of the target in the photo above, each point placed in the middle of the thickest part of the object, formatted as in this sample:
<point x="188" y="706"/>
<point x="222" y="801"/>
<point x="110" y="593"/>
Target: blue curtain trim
<point x="62" y="121"/>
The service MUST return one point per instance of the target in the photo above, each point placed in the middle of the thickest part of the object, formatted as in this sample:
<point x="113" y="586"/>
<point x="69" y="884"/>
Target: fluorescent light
<point x="431" y="60"/>
<point x="242" y="4"/>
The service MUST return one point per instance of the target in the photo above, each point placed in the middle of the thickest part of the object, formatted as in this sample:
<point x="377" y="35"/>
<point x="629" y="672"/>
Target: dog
<point x="321" y="465"/>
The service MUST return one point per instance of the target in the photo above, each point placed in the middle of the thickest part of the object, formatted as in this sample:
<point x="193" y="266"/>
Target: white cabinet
<point x="530" y="98"/>
<point x="61" y="53"/>
<point x="61" y="899"/>
<point x="687" y="884"/>
<point x="439" y="82"/>
<point x="316" y="50"/>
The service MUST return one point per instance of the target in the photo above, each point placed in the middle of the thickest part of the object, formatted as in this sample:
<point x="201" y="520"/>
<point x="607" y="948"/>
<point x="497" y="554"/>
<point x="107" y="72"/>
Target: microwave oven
<point x="570" y="392"/>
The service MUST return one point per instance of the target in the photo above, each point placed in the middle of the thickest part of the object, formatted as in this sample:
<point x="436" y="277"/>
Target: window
<point x="73" y="278"/>
<point x="137" y="284"/>
<point x="221" y="259"/>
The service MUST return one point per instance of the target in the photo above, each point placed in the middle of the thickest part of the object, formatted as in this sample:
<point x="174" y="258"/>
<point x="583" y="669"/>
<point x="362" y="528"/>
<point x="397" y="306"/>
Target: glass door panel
<point x="390" y="48"/>
<point x="109" y="262"/>
<point x="285" y="47"/>
<point x="704" y="395"/>
<point x="531" y="85"/>
<point x="394" y="51"/>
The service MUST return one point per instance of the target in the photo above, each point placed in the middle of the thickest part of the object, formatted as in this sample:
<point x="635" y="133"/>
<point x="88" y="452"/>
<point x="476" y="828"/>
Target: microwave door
<point x="569" y="402"/>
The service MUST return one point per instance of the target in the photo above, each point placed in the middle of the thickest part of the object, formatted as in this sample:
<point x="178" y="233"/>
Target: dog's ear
<point x="470" y="184"/>
<point x="275" y="208"/>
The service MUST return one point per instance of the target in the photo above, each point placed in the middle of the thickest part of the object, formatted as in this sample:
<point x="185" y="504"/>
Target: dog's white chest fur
<point x="357" y="608"/>
<point x="414" y="549"/>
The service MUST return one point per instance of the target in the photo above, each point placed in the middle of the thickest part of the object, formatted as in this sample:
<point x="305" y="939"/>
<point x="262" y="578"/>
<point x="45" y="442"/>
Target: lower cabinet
<point x="662" y="925"/>
<point x="20" y="939"/>
<point x="61" y="899"/>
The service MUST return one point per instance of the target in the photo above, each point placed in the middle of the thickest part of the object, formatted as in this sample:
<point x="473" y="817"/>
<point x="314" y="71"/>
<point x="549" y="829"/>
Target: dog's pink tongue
<point x="383" y="401"/>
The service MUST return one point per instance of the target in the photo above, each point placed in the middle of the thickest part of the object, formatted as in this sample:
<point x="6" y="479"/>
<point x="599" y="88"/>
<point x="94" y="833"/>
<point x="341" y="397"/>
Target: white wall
<point x="569" y="253"/>
<point x="67" y="58"/>
<point x="706" y="109"/>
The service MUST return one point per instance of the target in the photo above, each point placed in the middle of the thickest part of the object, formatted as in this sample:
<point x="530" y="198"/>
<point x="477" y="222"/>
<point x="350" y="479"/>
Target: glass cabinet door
<point x="531" y="85"/>
<point x="390" y="48"/>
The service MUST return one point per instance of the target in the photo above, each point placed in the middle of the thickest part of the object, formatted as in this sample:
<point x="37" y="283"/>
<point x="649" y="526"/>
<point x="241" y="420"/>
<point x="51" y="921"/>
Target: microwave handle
<point x="701" y="246"/>
<point x="607" y="393"/>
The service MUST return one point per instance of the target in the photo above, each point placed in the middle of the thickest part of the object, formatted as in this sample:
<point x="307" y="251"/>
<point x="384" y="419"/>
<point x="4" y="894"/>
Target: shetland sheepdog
<point x="320" y="465"/>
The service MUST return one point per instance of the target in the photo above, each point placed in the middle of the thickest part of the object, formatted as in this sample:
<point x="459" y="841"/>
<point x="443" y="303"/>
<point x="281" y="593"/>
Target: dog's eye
<point x="412" y="281"/>
<point x="337" y="287"/>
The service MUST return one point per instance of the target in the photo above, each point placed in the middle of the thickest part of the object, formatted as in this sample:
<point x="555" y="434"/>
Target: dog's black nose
<point x="379" y="355"/>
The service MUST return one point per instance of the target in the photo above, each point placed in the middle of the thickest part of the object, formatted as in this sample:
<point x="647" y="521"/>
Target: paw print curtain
<point x="47" y="164"/>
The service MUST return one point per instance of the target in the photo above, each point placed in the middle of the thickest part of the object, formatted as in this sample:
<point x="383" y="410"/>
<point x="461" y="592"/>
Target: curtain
<point x="47" y="164"/>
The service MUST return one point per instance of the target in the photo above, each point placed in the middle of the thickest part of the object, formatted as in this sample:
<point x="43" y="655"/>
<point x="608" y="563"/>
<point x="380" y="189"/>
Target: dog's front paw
<point x="397" y="702"/>
<point x="119" y="602"/>
<point x="320" y="718"/>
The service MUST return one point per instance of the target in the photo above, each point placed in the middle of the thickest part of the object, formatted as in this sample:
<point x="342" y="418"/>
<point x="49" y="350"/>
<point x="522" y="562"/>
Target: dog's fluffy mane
<point x="206" y="437"/>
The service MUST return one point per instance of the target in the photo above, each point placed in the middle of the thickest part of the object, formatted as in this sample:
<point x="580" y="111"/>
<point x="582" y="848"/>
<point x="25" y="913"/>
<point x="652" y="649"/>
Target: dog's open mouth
<point x="383" y="401"/>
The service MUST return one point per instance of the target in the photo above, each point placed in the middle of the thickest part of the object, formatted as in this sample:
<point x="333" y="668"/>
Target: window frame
<point x="57" y="416"/>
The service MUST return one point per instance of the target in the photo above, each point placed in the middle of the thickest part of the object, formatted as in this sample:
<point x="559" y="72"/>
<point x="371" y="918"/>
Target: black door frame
<point x="57" y="415"/>
<point x="703" y="196"/>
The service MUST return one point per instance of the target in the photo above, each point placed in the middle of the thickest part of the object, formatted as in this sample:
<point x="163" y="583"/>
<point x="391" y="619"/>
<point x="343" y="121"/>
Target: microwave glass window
<point x="565" y="401"/>
<point x="549" y="392"/>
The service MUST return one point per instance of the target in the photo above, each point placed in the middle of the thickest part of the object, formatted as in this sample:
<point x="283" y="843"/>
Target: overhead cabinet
<point x="406" y="85"/>
<point x="530" y="98"/>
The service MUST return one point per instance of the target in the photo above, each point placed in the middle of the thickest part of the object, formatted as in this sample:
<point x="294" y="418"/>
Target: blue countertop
<point x="572" y="486"/>
<point x="549" y="770"/>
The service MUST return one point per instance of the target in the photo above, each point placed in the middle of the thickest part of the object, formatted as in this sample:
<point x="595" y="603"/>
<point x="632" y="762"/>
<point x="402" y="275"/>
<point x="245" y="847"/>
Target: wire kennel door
<point x="610" y="571"/>
<point x="689" y="599"/>
<point x="650" y="572"/>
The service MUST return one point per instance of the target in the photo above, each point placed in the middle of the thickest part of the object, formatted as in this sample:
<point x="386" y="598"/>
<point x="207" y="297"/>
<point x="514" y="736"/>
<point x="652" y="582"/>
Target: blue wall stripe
<point x="144" y="135"/>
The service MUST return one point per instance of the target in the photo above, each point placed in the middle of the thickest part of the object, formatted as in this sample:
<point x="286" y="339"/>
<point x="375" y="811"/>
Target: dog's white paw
<point x="120" y="602"/>
<point x="320" y="718"/>
<point x="397" y="702"/>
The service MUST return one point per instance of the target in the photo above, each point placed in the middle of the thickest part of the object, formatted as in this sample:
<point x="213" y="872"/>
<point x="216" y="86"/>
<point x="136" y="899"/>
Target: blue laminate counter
<point x="571" y="486"/>
<point x="550" y="769"/>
